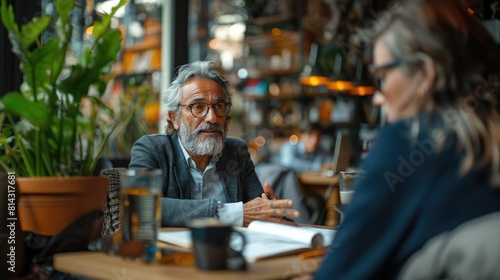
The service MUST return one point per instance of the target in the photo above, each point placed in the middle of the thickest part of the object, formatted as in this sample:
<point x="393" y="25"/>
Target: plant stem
<point x="24" y="153"/>
<point x="46" y="159"/>
<point x="38" y="156"/>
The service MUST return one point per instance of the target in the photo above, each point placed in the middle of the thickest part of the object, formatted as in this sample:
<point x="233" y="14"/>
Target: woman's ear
<point x="429" y="74"/>
<point x="171" y="116"/>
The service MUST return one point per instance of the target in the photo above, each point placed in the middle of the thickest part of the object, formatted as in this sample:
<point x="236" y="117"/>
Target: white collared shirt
<point x="207" y="184"/>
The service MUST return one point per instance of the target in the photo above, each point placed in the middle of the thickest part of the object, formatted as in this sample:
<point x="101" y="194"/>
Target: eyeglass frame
<point x="378" y="80"/>
<point x="208" y="105"/>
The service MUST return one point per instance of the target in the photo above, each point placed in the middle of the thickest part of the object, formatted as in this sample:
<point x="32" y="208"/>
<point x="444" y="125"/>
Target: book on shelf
<point x="265" y="239"/>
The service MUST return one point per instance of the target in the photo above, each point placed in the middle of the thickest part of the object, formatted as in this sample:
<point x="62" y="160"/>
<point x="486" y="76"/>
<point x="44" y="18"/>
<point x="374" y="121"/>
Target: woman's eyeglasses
<point x="200" y="109"/>
<point x="378" y="72"/>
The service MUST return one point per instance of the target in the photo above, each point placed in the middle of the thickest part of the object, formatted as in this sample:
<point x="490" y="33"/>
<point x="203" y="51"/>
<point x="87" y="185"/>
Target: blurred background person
<point x="436" y="164"/>
<point x="307" y="153"/>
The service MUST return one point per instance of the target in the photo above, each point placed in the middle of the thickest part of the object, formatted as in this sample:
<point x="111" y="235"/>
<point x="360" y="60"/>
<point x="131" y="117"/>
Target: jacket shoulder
<point x="235" y="142"/>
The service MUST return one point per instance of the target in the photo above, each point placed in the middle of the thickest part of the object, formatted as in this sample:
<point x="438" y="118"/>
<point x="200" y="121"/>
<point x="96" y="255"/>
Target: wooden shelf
<point x="301" y="95"/>
<point x="269" y="97"/>
<point x="288" y="37"/>
<point x="264" y="72"/>
<point x="272" y="19"/>
<point x="144" y="56"/>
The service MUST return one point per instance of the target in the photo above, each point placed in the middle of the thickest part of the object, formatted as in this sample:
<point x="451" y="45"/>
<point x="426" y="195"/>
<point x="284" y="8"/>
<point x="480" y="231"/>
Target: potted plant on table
<point x="45" y="138"/>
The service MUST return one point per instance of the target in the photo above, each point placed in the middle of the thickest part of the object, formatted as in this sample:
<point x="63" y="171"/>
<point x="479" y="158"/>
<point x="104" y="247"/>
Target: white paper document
<point x="264" y="239"/>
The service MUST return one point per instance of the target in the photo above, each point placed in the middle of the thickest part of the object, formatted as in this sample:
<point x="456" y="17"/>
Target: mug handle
<point x="235" y="260"/>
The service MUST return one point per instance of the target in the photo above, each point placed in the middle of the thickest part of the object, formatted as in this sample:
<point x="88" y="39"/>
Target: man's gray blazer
<point x="235" y="168"/>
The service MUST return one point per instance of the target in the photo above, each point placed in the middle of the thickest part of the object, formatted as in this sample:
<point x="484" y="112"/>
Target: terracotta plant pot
<point x="49" y="204"/>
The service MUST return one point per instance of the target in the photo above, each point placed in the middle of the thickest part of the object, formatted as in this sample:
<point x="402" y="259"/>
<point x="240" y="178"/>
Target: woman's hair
<point x="467" y="63"/>
<point x="198" y="69"/>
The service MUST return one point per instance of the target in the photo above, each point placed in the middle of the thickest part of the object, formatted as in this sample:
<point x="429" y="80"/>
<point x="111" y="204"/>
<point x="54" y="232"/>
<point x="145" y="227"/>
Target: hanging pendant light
<point x="362" y="82"/>
<point x="312" y="75"/>
<point x="340" y="79"/>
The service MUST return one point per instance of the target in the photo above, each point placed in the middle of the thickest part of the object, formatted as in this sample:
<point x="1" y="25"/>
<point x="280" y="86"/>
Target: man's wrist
<point x="231" y="213"/>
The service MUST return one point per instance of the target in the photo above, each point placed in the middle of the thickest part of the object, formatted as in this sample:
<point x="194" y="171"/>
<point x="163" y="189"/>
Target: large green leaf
<point x="81" y="77"/>
<point x="63" y="28"/>
<point x="17" y="104"/>
<point x="101" y="27"/>
<point x="8" y="19"/>
<point x="106" y="50"/>
<point x="49" y="61"/>
<point x="30" y="32"/>
<point x="63" y="8"/>
<point x="38" y="71"/>
<point x="78" y="82"/>
<point x="44" y="55"/>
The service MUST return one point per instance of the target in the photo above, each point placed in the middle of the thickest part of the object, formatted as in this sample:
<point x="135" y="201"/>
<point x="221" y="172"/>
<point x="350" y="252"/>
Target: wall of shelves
<point x="273" y="57"/>
<point x="276" y="53"/>
<point x="275" y="103"/>
<point x="144" y="56"/>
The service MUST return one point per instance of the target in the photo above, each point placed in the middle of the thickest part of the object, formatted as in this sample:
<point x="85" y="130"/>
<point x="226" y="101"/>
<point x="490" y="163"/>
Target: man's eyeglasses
<point x="378" y="72"/>
<point x="200" y="109"/>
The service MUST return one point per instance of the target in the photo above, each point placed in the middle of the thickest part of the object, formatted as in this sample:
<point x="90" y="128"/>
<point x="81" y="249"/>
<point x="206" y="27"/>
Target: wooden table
<point x="326" y="185"/>
<point x="99" y="265"/>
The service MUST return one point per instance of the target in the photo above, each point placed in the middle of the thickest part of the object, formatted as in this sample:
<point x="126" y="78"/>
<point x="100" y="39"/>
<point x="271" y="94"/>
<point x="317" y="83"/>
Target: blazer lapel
<point x="181" y="170"/>
<point x="227" y="170"/>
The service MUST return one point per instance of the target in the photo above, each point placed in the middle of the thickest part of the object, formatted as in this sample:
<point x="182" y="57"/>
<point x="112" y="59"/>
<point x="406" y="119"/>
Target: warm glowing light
<point x="313" y="81"/>
<point x="214" y="44"/>
<point x="89" y="30"/>
<point x="260" y="141"/>
<point x="362" y="90"/>
<point x="471" y="11"/>
<point x="293" y="139"/>
<point x="277" y="120"/>
<point x="152" y="112"/>
<point x="339" y="85"/>
<point x="276" y="31"/>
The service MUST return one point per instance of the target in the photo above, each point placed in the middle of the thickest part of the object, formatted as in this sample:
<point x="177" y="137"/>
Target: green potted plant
<point x="45" y="137"/>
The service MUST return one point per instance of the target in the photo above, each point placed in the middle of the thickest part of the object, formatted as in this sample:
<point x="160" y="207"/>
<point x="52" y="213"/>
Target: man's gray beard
<point x="209" y="145"/>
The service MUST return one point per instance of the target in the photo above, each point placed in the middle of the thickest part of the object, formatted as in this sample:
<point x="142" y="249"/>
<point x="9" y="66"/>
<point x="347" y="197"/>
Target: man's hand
<point x="271" y="210"/>
<point x="268" y="192"/>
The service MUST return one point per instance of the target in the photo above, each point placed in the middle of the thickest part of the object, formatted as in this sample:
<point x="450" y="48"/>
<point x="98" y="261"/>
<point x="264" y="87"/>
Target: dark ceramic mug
<point x="211" y="245"/>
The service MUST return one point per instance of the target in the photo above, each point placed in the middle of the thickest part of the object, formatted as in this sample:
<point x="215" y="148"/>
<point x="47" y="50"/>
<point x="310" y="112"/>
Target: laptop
<point x="341" y="154"/>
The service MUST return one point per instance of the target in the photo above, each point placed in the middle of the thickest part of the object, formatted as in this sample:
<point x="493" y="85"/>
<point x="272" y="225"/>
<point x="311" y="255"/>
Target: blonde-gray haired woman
<point x="436" y="164"/>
